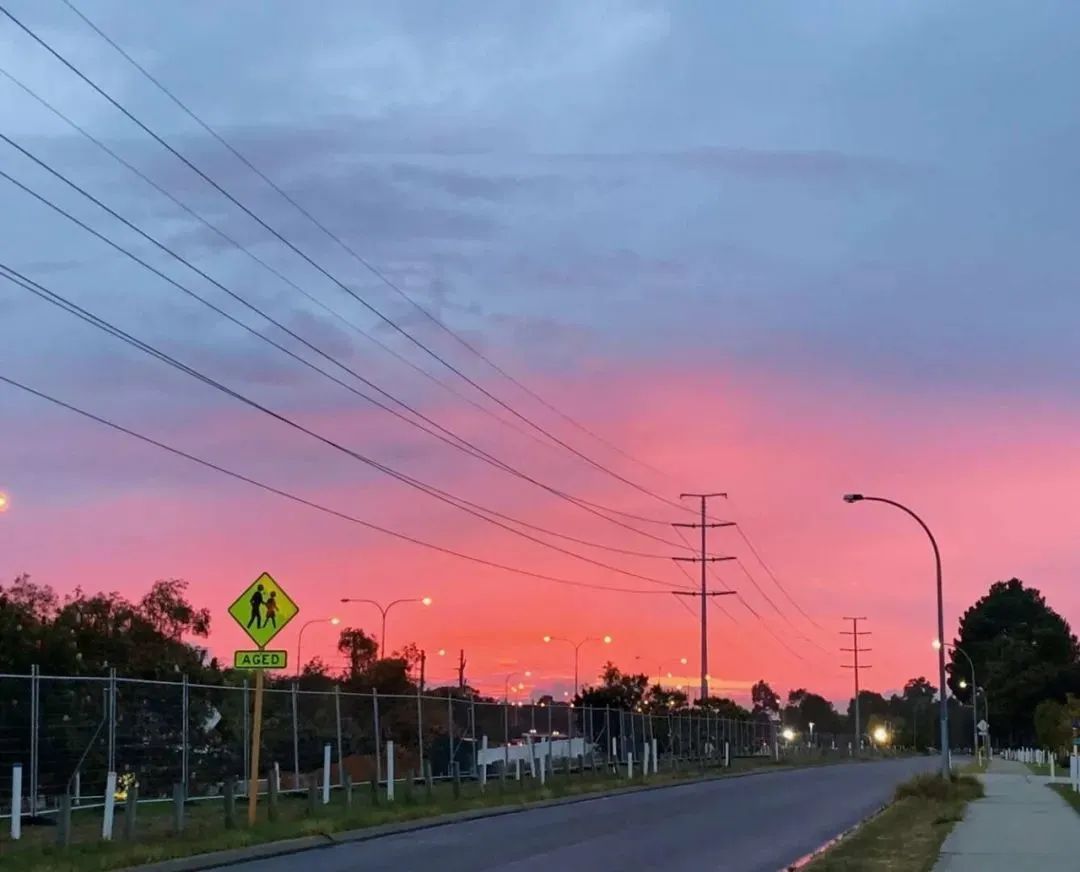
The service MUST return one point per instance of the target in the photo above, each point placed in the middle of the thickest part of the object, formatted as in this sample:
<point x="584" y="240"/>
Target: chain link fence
<point x="68" y="733"/>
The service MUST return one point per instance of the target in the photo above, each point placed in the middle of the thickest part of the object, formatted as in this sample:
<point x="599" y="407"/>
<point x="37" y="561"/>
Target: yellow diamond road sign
<point x="263" y="610"/>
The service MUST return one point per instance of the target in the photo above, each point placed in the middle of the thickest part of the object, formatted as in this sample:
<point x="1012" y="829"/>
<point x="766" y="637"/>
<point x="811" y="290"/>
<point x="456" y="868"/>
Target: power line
<point x="781" y="613"/>
<point x="768" y="571"/>
<point x="441" y="495"/>
<point x="340" y="242"/>
<point x="344" y="287"/>
<point x="313" y="504"/>
<point x="450" y="438"/>
<point x="268" y="267"/>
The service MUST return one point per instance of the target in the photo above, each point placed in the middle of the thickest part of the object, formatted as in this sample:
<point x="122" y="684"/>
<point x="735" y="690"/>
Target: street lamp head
<point x="528" y="673"/>
<point x="853" y="498"/>
<point x="963" y="684"/>
<point x="607" y="640"/>
<point x="788" y="734"/>
<point x="335" y="621"/>
<point x="426" y="601"/>
<point x="4" y="502"/>
<point x="881" y="735"/>
<point x="547" y="638"/>
<point x="936" y="644"/>
<point x="682" y="660"/>
<point x="442" y="652"/>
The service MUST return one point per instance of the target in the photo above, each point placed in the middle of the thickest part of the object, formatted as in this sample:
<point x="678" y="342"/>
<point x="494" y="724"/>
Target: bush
<point x="955" y="787"/>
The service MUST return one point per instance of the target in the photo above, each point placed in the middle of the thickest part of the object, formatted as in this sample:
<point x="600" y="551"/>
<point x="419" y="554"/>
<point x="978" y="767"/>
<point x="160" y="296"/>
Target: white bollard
<point x="655" y="758"/>
<point x="614" y="748"/>
<point x="532" y="758"/>
<point x="78" y="789"/>
<point x="277" y="776"/>
<point x="517" y="769"/>
<point x="727" y="755"/>
<point x="390" y="771"/>
<point x="110" y="807"/>
<point x="326" y="774"/>
<point x="630" y="764"/>
<point x="483" y="755"/>
<point x="16" y="801"/>
<point x="543" y="773"/>
<point x="645" y="760"/>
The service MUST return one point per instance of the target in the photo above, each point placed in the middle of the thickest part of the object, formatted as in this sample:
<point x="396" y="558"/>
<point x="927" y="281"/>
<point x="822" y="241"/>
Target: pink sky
<point x="995" y="478"/>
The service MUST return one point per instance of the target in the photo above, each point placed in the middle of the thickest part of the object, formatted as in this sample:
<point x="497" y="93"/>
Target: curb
<point x="270" y="850"/>
<point x="807" y="859"/>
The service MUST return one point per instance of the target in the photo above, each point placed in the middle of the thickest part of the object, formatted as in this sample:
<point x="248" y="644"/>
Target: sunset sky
<point x="784" y="251"/>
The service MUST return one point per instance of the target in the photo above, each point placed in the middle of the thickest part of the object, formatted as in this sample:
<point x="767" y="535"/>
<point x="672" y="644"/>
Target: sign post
<point x="262" y="611"/>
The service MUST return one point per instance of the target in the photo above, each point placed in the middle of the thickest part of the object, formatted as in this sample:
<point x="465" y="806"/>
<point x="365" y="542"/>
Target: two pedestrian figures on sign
<point x="263" y="609"/>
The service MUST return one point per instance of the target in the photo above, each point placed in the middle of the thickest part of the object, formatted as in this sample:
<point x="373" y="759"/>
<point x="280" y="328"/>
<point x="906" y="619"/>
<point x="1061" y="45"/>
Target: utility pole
<point x="461" y="670"/>
<point x="704" y="559"/>
<point x="855" y="650"/>
<point x="423" y="666"/>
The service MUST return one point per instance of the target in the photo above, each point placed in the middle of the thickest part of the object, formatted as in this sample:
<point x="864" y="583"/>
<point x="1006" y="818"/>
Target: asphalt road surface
<point x="755" y="824"/>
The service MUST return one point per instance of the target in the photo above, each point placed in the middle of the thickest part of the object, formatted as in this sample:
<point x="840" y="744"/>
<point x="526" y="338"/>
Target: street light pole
<point x="383" y="610"/>
<point x="577" y="650"/>
<point x="855" y="498"/>
<point x="300" y="637"/>
<point x="974" y="697"/>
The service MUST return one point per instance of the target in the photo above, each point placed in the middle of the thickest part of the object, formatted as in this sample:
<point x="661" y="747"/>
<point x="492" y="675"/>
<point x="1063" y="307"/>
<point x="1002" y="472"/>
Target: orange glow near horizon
<point x="964" y="468"/>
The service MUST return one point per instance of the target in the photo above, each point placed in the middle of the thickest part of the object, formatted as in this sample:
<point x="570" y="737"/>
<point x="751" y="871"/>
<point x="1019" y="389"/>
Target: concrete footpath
<point x="1020" y="824"/>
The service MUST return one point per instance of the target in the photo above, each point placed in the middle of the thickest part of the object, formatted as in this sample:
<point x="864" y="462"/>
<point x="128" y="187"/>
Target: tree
<point x="766" y="700"/>
<point x="617" y="689"/>
<point x="360" y="650"/>
<point x="805" y="708"/>
<point x="1023" y="652"/>
<point x="1052" y="726"/>
<point x="168" y="611"/>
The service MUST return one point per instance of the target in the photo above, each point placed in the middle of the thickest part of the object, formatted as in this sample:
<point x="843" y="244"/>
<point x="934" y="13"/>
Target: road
<point x="754" y="824"/>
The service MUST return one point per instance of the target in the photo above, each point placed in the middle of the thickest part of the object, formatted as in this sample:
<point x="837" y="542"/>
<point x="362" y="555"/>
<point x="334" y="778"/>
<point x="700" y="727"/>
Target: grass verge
<point x="907" y="836"/>
<point x="1066" y="792"/>
<point x="205" y="831"/>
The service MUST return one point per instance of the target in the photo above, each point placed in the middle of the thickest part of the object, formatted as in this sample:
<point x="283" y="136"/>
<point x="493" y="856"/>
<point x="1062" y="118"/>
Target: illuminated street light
<point x="881" y="735"/>
<point x="426" y="601"/>
<point x="943" y="705"/>
<point x="5" y="502"/>
<point x="300" y="638"/>
<point x="788" y="734"/>
<point x="577" y="649"/>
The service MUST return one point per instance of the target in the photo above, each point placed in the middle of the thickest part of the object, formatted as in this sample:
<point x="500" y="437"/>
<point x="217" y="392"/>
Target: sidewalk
<point x="1019" y="824"/>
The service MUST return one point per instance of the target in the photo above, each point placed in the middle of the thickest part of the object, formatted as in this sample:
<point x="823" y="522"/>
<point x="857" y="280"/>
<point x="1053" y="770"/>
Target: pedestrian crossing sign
<point x="263" y="610"/>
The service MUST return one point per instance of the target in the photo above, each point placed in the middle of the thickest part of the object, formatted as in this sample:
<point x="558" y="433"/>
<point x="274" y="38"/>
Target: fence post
<point x="63" y="821"/>
<point x="450" y="726"/>
<point x="296" y="734"/>
<point x="273" y="787"/>
<point x="16" y="802"/>
<point x="326" y="774"/>
<point x="655" y="757"/>
<point x="229" y="802"/>
<point x="337" y="717"/>
<point x="389" y="770"/>
<point x="110" y="807"/>
<point x="346" y="786"/>
<point x="607" y="733"/>
<point x="427" y="780"/>
<point x="420" y="726"/>
<point x="456" y="769"/>
<point x="407" y="786"/>
<point x="378" y="734"/>
<point x="178" y="808"/>
<point x="131" y="804"/>
<point x="472" y="731"/>
<point x="247" y="734"/>
<point x="111" y="762"/>
<point x="35" y="729"/>
<point x="313" y="795"/>
<point x="482" y="768"/>
<point x="185" y="702"/>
